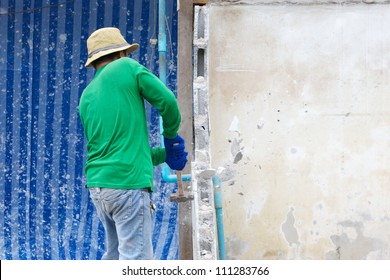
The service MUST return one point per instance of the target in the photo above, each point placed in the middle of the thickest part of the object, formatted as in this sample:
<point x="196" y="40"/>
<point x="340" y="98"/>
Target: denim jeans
<point x="127" y="220"/>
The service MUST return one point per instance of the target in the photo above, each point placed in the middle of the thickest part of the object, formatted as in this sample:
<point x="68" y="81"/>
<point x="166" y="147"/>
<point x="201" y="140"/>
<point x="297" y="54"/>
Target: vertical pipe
<point x="162" y="71"/>
<point x="219" y="217"/>
<point x="162" y="42"/>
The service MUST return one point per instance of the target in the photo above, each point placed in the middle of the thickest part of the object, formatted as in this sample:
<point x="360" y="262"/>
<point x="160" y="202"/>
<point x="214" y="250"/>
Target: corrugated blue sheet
<point x="45" y="211"/>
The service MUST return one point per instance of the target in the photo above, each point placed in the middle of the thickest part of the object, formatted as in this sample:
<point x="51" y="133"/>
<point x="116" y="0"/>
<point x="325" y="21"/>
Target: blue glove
<point x="176" y="154"/>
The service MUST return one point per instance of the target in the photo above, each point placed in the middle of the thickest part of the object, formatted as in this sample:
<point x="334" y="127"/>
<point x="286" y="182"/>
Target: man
<point x="119" y="167"/>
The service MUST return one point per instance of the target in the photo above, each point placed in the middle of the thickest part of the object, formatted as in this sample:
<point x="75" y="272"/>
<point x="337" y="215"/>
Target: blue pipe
<point x="219" y="217"/>
<point x="162" y="42"/>
<point x="162" y="50"/>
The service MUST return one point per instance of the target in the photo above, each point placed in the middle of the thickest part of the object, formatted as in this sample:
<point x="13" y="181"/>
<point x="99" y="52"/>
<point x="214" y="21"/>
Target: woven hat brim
<point x="128" y="48"/>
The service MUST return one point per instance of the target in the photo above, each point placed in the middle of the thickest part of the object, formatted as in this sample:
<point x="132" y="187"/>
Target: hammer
<point x="181" y="195"/>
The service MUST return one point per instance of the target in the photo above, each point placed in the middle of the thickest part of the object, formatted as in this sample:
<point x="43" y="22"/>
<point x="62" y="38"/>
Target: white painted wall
<point x="299" y="100"/>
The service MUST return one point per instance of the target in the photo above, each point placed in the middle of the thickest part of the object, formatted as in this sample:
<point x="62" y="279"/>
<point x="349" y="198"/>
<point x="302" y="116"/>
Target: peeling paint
<point x="289" y="230"/>
<point x="234" y="124"/>
<point x="236" y="150"/>
<point x="359" y="247"/>
<point x="256" y="204"/>
<point x="226" y="173"/>
<point x="236" y="246"/>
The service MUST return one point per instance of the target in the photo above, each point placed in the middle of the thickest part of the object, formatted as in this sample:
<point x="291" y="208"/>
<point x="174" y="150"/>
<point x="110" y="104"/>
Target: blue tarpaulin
<point x="45" y="210"/>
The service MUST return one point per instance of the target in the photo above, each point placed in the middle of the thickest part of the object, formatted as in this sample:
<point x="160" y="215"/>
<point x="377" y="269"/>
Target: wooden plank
<point x="184" y="88"/>
<point x="200" y="2"/>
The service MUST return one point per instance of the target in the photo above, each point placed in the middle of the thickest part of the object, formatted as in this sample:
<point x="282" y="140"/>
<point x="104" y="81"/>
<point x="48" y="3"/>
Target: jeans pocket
<point x="112" y="195"/>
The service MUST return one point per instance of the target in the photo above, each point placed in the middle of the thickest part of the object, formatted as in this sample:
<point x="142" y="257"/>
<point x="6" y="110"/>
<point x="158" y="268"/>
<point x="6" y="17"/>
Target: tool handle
<point x="180" y="182"/>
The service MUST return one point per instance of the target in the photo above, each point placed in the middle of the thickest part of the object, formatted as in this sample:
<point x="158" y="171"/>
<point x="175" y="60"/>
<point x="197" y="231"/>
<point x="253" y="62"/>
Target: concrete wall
<point x="300" y="128"/>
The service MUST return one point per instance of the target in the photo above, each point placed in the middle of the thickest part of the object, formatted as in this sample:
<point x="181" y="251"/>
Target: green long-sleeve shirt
<point x="112" y="112"/>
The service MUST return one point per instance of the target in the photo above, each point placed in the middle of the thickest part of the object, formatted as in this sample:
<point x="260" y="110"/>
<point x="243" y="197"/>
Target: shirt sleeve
<point x="163" y="99"/>
<point x="158" y="155"/>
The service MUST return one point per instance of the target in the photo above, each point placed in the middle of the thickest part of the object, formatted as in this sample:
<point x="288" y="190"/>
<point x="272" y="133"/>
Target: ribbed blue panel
<point x="45" y="210"/>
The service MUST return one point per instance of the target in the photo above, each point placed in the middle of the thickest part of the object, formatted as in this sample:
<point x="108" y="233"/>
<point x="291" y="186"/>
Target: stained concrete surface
<point x="300" y="128"/>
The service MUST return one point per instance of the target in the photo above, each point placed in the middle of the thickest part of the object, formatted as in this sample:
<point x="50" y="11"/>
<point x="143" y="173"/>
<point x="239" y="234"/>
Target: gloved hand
<point x="176" y="154"/>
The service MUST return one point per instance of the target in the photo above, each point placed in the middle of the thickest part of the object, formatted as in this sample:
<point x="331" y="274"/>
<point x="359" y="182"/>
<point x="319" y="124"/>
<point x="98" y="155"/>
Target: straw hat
<point x="105" y="41"/>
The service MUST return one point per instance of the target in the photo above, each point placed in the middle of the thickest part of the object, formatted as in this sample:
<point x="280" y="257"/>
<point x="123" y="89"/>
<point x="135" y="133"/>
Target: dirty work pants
<point x="127" y="220"/>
